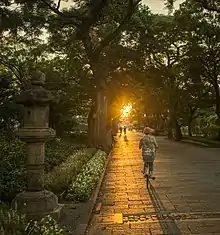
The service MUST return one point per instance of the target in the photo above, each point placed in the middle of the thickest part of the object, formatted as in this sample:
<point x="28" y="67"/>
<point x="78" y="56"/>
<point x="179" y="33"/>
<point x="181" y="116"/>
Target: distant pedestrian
<point x="148" y="144"/>
<point x="125" y="130"/>
<point x="120" y="129"/>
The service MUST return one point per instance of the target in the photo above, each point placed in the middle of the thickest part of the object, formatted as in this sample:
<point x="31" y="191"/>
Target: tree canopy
<point x="98" y="55"/>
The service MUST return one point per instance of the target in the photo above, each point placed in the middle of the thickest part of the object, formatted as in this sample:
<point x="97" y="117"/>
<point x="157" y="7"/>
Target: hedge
<point x="59" y="179"/>
<point x="82" y="188"/>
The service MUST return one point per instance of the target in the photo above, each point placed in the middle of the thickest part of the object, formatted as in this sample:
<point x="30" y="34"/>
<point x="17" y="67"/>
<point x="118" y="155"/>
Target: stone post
<point x="36" y="202"/>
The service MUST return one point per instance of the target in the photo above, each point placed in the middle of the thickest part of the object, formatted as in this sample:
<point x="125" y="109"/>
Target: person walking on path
<point x="120" y="130"/>
<point x="148" y="144"/>
<point x="125" y="130"/>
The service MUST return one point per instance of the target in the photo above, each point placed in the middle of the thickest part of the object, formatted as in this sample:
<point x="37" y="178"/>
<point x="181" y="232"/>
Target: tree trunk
<point x="218" y="124"/>
<point x="114" y="126"/>
<point x="99" y="128"/>
<point x="170" y="133"/>
<point x="92" y="126"/>
<point x="158" y="122"/>
<point x="104" y="127"/>
<point x="99" y="131"/>
<point x="190" y="127"/>
<point x="217" y="98"/>
<point x="178" y="132"/>
<point x="170" y="128"/>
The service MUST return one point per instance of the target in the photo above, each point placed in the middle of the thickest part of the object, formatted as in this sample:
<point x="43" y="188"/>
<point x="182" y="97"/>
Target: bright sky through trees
<point x="157" y="6"/>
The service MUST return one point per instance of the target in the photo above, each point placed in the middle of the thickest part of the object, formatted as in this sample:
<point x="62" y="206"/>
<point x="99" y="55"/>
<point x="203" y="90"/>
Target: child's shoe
<point x="152" y="177"/>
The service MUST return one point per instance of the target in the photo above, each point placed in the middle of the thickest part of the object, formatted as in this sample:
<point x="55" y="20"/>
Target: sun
<point x="125" y="111"/>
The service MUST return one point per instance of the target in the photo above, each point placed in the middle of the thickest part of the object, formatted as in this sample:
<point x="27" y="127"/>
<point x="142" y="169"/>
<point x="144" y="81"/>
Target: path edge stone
<point x="195" y="142"/>
<point x="88" y="207"/>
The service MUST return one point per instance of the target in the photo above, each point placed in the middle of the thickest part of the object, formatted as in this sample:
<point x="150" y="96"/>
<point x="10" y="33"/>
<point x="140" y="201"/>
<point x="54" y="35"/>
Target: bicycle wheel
<point x="148" y="180"/>
<point x="147" y="176"/>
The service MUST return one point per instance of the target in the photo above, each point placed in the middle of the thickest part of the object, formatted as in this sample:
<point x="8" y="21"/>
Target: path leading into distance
<point x="184" y="198"/>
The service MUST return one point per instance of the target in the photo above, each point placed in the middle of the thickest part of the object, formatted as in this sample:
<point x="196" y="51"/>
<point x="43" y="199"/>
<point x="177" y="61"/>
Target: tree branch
<point x="177" y="56"/>
<point x="87" y="43"/>
<point x="206" y="4"/>
<point x="168" y="59"/>
<point x="94" y="10"/>
<point x="74" y="17"/>
<point x="157" y="60"/>
<point x="110" y="37"/>
<point x="90" y="18"/>
<point x="14" y="69"/>
<point x="77" y="82"/>
<point x="58" y="4"/>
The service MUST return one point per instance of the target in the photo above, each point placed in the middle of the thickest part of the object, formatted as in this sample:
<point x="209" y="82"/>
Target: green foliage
<point x="12" y="174"/>
<point x="12" y="168"/>
<point x="57" y="151"/>
<point x="172" y="61"/>
<point x="10" y="20"/>
<point x="47" y="226"/>
<point x="20" y="55"/>
<point x="67" y="83"/>
<point x="11" y="223"/>
<point x="9" y="110"/>
<point x="82" y="188"/>
<point x="208" y="125"/>
<point x="59" y="179"/>
<point x="178" y="65"/>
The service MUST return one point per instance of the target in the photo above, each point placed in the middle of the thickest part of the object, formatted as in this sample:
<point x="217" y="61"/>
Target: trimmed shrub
<point x="57" y="151"/>
<point x="59" y="179"/>
<point x="82" y="188"/>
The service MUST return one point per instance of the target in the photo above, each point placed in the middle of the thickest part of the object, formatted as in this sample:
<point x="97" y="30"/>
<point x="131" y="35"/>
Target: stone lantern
<point x="36" y="202"/>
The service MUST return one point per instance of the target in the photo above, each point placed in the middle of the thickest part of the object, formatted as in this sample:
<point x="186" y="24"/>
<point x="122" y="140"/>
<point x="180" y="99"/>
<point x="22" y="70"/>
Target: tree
<point x="204" y="36"/>
<point x="163" y="51"/>
<point x="87" y="21"/>
<point x="18" y="56"/>
<point x="213" y="5"/>
<point x="171" y="72"/>
<point x="87" y="18"/>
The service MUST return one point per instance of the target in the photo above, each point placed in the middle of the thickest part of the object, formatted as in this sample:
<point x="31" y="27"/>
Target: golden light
<point x="125" y="111"/>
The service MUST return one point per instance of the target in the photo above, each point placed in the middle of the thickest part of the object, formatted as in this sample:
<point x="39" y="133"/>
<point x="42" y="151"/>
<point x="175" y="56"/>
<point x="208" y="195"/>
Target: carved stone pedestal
<point x="37" y="204"/>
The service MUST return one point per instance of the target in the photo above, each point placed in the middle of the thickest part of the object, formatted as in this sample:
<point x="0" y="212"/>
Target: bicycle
<point x="148" y="158"/>
<point x="147" y="174"/>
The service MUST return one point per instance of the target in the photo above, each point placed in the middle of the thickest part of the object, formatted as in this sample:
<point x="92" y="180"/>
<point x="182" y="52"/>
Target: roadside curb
<point x="194" y="142"/>
<point x="87" y="208"/>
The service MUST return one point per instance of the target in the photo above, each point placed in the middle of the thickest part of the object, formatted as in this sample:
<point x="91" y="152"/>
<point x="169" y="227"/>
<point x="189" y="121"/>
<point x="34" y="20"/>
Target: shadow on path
<point x="126" y="139"/>
<point x="167" y="226"/>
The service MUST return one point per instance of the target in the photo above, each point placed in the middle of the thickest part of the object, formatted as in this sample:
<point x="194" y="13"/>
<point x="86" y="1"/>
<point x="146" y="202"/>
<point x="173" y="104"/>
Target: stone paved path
<point x="184" y="198"/>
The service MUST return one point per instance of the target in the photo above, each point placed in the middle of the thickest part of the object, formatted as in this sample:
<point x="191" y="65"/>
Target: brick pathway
<point x="184" y="199"/>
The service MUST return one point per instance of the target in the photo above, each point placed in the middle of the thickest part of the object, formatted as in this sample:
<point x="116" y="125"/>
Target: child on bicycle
<point x="148" y="144"/>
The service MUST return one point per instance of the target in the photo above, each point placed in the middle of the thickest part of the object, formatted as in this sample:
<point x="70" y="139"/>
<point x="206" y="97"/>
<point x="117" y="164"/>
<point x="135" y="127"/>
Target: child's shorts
<point x="148" y="158"/>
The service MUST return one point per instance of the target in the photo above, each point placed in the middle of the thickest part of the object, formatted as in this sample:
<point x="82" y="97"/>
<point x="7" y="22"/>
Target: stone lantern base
<point x="37" y="204"/>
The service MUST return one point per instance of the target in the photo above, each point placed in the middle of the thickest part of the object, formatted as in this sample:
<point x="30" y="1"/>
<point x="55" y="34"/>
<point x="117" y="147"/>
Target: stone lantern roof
<point x="36" y="94"/>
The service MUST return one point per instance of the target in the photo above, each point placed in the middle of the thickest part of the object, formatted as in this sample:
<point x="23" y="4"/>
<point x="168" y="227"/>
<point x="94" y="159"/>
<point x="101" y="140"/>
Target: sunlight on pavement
<point x="178" y="202"/>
